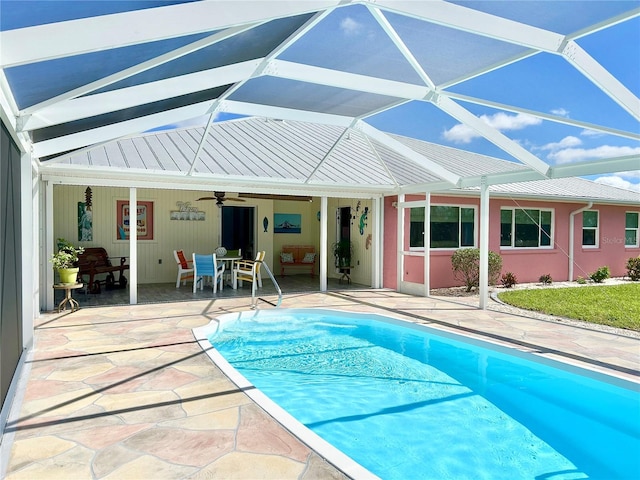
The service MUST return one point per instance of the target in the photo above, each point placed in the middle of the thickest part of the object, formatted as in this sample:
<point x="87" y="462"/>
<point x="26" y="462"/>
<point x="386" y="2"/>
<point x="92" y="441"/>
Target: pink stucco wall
<point x="527" y="264"/>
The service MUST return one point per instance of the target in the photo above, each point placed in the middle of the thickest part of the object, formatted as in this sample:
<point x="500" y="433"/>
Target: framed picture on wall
<point x="287" y="223"/>
<point x="143" y="220"/>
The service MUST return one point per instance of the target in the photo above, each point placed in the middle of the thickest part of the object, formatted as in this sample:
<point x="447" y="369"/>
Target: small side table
<point x="67" y="296"/>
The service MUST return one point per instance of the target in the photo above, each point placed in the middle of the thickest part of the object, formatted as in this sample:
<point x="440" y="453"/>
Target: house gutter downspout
<point x="572" y="228"/>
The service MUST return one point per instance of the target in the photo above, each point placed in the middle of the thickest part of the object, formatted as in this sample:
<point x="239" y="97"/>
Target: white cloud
<point x="566" y="142"/>
<point x="568" y="155"/>
<point x="617" y="181"/>
<point x="461" y="133"/>
<point x="350" y="27"/>
<point x="560" y="112"/>
<point x="591" y="133"/>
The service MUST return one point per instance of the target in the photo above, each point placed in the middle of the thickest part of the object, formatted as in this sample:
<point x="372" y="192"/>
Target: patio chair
<point x="183" y="267"/>
<point x="248" y="270"/>
<point x="206" y="266"/>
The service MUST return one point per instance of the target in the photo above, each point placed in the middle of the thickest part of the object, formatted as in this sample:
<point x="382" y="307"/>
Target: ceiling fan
<point x="220" y="197"/>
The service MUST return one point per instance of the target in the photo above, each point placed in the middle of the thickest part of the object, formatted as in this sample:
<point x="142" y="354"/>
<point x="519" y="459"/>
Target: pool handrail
<point x="254" y="302"/>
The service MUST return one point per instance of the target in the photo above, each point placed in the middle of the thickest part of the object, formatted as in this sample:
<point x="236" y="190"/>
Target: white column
<point x="48" y="246"/>
<point x="133" y="246"/>
<point x="484" y="243"/>
<point x="376" y="242"/>
<point x="323" y="243"/>
<point x="400" y="247"/>
<point x="427" y="244"/>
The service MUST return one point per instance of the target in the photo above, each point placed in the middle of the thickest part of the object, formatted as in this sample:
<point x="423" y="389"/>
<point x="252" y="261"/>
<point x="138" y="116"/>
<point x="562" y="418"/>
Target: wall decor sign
<point x="187" y="212"/>
<point x="287" y="223"/>
<point x="143" y="220"/>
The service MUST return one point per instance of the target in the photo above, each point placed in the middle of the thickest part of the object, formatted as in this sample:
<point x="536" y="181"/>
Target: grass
<point x="614" y="305"/>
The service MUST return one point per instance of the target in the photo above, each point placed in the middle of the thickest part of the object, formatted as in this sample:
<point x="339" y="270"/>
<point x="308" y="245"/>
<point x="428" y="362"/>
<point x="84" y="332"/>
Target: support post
<point x="427" y="244"/>
<point x="323" y="243"/>
<point x="400" y="246"/>
<point x="133" y="246"/>
<point x="484" y="243"/>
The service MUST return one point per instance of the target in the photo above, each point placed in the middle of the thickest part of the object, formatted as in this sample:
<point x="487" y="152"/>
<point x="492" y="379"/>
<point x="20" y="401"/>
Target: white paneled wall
<point x="155" y="257"/>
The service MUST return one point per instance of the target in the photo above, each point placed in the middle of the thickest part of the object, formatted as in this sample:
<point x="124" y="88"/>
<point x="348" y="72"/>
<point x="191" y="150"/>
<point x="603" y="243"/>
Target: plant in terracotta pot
<point x="65" y="261"/>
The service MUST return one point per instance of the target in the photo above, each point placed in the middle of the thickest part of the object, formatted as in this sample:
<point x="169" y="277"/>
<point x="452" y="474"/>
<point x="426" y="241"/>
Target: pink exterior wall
<point x="527" y="264"/>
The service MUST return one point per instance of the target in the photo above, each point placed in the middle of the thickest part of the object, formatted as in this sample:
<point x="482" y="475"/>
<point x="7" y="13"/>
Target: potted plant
<point x="343" y="253"/>
<point x="65" y="261"/>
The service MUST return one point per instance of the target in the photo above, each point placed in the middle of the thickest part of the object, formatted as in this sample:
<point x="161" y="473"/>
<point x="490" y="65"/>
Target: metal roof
<point x="76" y="76"/>
<point x="305" y="157"/>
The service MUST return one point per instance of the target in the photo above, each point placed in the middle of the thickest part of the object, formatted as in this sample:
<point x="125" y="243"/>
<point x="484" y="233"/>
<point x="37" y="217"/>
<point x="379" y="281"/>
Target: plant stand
<point x="67" y="296"/>
<point x="346" y="274"/>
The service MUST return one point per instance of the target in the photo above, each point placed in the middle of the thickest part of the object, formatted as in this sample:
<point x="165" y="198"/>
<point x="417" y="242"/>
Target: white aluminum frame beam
<point x="59" y="39"/>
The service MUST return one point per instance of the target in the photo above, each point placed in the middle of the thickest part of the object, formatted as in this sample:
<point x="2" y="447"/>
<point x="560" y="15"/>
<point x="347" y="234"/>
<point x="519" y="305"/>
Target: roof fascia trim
<point x="56" y="40"/>
<point x="494" y="136"/>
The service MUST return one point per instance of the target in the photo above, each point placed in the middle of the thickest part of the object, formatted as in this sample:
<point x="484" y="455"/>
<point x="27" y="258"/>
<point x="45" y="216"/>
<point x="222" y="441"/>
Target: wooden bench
<point x="95" y="262"/>
<point x="298" y="256"/>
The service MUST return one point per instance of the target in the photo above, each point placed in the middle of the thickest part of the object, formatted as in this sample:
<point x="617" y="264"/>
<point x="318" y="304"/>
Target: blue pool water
<point x="414" y="403"/>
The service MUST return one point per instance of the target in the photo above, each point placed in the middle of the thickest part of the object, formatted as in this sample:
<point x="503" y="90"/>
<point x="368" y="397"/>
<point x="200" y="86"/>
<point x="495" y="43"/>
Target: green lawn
<point x="614" y="305"/>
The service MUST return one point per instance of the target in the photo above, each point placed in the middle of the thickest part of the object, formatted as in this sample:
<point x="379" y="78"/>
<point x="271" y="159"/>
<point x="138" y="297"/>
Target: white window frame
<point x="460" y="207"/>
<point x="596" y="229"/>
<point x="637" y="229"/>
<point x="513" y="229"/>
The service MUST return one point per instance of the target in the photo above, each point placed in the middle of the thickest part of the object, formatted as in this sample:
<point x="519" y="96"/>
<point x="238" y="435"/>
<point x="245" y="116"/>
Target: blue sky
<point x="544" y="82"/>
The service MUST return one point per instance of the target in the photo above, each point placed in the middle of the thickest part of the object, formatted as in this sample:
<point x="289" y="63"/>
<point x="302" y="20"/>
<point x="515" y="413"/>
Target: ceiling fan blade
<point x="206" y="198"/>
<point x="233" y="199"/>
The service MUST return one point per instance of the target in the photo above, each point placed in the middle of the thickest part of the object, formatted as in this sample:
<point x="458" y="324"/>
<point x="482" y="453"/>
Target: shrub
<point x="600" y="275"/>
<point x="466" y="267"/>
<point x="509" y="280"/>
<point x="546" y="279"/>
<point x="581" y="280"/>
<point x="633" y="268"/>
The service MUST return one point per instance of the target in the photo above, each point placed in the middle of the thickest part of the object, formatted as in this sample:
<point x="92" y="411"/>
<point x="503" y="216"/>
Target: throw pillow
<point x="309" y="257"/>
<point x="286" y="257"/>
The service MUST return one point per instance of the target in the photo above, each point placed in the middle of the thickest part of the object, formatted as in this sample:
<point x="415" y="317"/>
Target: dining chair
<point x="206" y="266"/>
<point x="183" y="267"/>
<point x="248" y="270"/>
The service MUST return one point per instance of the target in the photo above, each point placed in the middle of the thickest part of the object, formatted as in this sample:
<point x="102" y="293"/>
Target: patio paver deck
<point x="126" y="392"/>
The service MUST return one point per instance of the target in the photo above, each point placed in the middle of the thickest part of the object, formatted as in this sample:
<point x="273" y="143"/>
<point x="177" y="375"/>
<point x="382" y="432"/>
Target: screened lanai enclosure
<point x="363" y="86"/>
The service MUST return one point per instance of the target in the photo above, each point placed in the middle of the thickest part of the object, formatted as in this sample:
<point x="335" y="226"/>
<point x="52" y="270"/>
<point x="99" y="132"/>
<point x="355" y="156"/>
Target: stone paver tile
<point x="319" y="469"/>
<point x="186" y="447"/>
<point x="71" y="464"/>
<point x="39" y="388"/>
<point x="152" y="414"/>
<point x="258" y="433"/>
<point x="222" y="419"/>
<point x="62" y="404"/>
<point x="244" y="466"/>
<point x="169" y="379"/>
<point x="108" y="459"/>
<point x="135" y="400"/>
<point x="148" y="467"/>
<point x="100" y="437"/>
<point x="133" y="357"/>
<point x="213" y="401"/>
<point x="35" y="449"/>
<point x="80" y="372"/>
<point x="118" y="379"/>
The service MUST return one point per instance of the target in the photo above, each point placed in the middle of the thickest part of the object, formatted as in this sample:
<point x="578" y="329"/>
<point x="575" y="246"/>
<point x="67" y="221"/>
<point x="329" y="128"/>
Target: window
<point x="631" y="230"/>
<point x="451" y="227"/>
<point x="522" y="228"/>
<point x="590" y="228"/>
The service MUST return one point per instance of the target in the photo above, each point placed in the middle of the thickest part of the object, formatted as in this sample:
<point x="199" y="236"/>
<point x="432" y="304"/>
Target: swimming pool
<point x="408" y="401"/>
